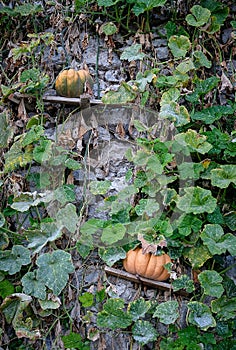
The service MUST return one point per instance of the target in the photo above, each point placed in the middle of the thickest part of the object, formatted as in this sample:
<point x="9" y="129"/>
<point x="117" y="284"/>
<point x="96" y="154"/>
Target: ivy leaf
<point x="146" y="5"/>
<point x="191" y="141"/>
<point x="224" y="175"/>
<point x="185" y="66"/>
<point x="144" y="332"/>
<point x="200" y="60"/>
<point x="99" y="187"/>
<point x="174" y="112"/>
<point x="211" y="283"/>
<point x="17" y="157"/>
<point x="37" y="239"/>
<point x="112" y="254"/>
<point x="67" y="217"/>
<point x="108" y="28"/>
<point x="64" y="194"/>
<point x="124" y="94"/>
<point x="75" y="341"/>
<point x="202" y="88"/>
<point x="32" y="286"/>
<point x="113" y="233"/>
<point x="199" y="16"/>
<point x="183" y="282"/>
<point x="148" y="206"/>
<point x="43" y="151"/>
<point x="179" y="45"/>
<point x="167" y="312"/>
<point x="224" y="307"/>
<point x="138" y="308"/>
<point x="198" y="255"/>
<point x="6" y="288"/>
<point x="200" y="315"/>
<point x="11" y="261"/>
<point x="196" y="200"/>
<point x="54" y="269"/>
<point x="216" y="241"/>
<point x="133" y="53"/>
<point x="86" y="299"/>
<point x="112" y="316"/>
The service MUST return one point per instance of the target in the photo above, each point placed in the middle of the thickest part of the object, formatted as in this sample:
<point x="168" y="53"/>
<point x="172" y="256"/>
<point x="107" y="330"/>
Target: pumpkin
<point x="73" y="83"/>
<point x="147" y="265"/>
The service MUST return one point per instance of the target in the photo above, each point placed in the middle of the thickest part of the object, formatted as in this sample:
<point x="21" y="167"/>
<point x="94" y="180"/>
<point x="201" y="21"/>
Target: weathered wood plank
<point x="138" y="279"/>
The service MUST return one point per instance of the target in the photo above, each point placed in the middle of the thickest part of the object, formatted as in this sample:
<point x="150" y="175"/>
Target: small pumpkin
<point x="73" y="83"/>
<point x="147" y="265"/>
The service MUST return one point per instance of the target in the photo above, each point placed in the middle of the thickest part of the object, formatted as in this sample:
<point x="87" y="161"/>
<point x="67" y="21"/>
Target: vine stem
<point x="227" y="269"/>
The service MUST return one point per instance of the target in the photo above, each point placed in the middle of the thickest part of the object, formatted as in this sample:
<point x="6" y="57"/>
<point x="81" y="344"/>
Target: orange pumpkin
<point x="73" y="83"/>
<point x="147" y="265"/>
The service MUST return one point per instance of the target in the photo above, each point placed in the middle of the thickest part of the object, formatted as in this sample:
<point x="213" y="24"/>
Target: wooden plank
<point x="68" y="100"/>
<point x="138" y="279"/>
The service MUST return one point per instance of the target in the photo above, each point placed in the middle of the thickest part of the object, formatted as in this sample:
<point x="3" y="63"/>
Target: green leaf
<point x="67" y="217"/>
<point x="202" y="88"/>
<point x="113" y="233"/>
<point x="83" y="249"/>
<point x="112" y="254"/>
<point x="11" y="261"/>
<point x="211" y="283"/>
<point x="64" y="194"/>
<point x="17" y="157"/>
<point x="37" y="239"/>
<point x="33" y="135"/>
<point x="108" y="28"/>
<point x="75" y="341"/>
<point x="191" y="141"/>
<point x="144" y="332"/>
<point x="223" y="176"/>
<point x="224" y="308"/>
<point x="32" y="286"/>
<point x="196" y="200"/>
<point x="200" y="60"/>
<point x="230" y="220"/>
<point x="54" y="269"/>
<point x="99" y="187"/>
<point x="174" y="112"/>
<point x="179" y="45"/>
<point x="72" y="164"/>
<point x="199" y="16"/>
<point x="185" y="66"/>
<point x="43" y="151"/>
<point x="216" y="241"/>
<point x="138" y="308"/>
<point x="198" y="255"/>
<point x="6" y="131"/>
<point x="124" y="94"/>
<point x="113" y="316"/>
<point x="148" y="206"/>
<point x="107" y="3"/>
<point x="210" y="115"/>
<point x="146" y="5"/>
<point x="200" y="315"/>
<point x="133" y="53"/>
<point x="6" y="288"/>
<point x="86" y="299"/>
<point x="167" y="312"/>
<point x="183" y="282"/>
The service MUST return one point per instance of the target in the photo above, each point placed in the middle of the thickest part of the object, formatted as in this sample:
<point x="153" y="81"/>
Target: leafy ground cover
<point x="179" y="191"/>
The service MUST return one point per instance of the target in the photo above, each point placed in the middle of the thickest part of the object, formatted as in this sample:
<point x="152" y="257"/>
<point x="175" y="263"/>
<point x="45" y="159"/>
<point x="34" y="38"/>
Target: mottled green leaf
<point x="183" y="282"/>
<point x="112" y="254"/>
<point x="224" y="175"/>
<point x="200" y="60"/>
<point x="211" y="283"/>
<point x="67" y="217"/>
<point x="133" y="53"/>
<point x="124" y="94"/>
<point x="113" y="233"/>
<point x="32" y="286"/>
<point x="144" y="332"/>
<point x="11" y="261"/>
<point x="86" y="299"/>
<point x="138" y="308"/>
<point x="99" y="187"/>
<point x="224" y="308"/>
<point x="112" y="316"/>
<point x="54" y="269"/>
<point x="146" y="5"/>
<point x="191" y="141"/>
<point x="179" y="45"/>
<point x="167" y="312"/>
<point x="199" y="16"/>
<point x="196" y="200"/>
<point x="200" y="315"/>
<point x="6" y="131"/>
<point x="197" y="256"/>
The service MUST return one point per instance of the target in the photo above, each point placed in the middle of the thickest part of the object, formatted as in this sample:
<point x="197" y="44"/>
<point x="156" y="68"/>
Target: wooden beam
<point x="138" y="279"/>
